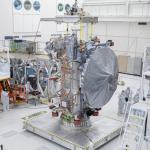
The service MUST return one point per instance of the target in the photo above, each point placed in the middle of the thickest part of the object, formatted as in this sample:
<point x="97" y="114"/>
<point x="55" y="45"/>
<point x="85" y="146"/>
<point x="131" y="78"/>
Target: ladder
<point x="134" y="127"/>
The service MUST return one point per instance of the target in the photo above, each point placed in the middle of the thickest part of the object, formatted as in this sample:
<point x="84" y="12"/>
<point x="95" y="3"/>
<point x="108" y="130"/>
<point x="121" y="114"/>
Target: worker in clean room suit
<point x="136" y="97"/>
<point x="121" y="103"/>
<point x="124" y="98"/>
<point x="5" y="100"/>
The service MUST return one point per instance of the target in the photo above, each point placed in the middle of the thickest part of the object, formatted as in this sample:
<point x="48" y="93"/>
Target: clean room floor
<point x="14" y="137"/>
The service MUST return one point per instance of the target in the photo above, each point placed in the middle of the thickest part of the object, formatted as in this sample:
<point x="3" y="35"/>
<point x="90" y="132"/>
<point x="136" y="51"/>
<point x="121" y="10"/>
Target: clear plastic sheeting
<point x="101" y="76"/>
<point x="4" y="68"/>
<point x="71" y="46"/>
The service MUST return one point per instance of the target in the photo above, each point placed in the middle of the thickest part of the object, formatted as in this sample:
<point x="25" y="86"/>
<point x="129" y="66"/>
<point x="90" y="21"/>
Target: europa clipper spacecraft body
<point x="82" y="79"/>
<point x="88" y="79"/>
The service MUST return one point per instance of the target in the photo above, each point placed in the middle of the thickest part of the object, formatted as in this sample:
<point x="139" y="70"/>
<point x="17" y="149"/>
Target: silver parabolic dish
<point x="100" y="77"/>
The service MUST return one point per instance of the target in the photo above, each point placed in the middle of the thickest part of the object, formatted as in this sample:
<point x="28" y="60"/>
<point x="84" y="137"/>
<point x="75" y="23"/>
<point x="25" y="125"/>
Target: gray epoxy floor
<point x="14" y="137"/>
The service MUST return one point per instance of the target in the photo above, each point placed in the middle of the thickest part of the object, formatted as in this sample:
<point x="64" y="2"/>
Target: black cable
<point x="145" y="131"/>
<point x="1" y="147"/>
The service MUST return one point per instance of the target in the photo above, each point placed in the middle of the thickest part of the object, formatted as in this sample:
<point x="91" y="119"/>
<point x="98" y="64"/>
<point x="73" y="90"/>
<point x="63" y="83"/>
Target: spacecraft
<point x="89" y="74"/>
<point x="83" y="82"/>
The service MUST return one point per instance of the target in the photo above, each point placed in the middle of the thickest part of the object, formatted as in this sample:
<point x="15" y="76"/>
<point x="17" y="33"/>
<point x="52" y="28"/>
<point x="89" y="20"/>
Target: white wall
<point x="48" y="10"/>
<point x="118" y="21"/>
<point x="24" y="22"/>
<point x="14" y="22"/>
<point x="129" y="38"/>
<point x="6" y="25"/>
